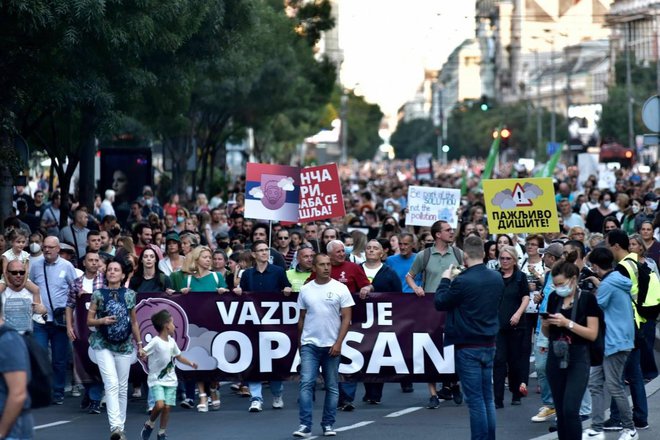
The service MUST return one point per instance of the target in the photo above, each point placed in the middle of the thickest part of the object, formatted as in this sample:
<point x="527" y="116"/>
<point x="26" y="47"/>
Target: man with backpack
<point x="15" y="417"/>
<point x="617" y="241"/>
<point x="431" y="263"/>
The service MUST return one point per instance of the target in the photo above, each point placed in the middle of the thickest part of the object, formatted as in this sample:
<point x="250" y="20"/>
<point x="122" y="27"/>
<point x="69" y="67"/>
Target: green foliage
<point x="414" y="137"/>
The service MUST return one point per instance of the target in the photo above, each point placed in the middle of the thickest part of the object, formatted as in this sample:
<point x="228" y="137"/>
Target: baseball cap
<point x="650" y="197"/>
<point x="172" y="236"/>
<point x="555" y="249"/>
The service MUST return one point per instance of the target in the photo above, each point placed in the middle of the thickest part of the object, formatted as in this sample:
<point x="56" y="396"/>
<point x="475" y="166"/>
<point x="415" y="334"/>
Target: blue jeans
<point x="311" y="358"/>
<point x="276" y="387"/>
<point x="540" y="361"/>
<point x="633" y="374"/>
<point x="347" y="392"/>
<point x="94" y="391"/>
<point x="475" y="370"/>
<point x="59" y="345"/>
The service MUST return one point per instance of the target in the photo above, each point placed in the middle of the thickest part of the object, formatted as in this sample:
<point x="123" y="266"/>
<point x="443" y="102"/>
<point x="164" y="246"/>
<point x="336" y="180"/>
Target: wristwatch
<point x="570" y="325"/>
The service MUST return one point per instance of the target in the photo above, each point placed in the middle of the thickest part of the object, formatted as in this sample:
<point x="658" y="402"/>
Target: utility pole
<point x="631" y="134"/>
<point x="344" y="127"/>
<point x="539" y="119"/>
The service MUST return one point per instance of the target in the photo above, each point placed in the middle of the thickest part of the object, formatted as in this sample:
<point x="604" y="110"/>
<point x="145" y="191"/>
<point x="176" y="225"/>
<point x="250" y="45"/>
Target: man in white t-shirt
<point x="325" y="314"/>
<point x="18" y="302"/>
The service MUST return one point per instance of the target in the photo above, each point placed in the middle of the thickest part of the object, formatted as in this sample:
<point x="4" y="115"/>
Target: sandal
<point x="203" y="407"/>
<point x="215" y="400"/>
<point x="523" y="389"/>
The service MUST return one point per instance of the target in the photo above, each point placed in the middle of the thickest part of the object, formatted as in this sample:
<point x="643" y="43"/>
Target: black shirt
<point x="587" y="306"/>
<point x="515" y="289"/>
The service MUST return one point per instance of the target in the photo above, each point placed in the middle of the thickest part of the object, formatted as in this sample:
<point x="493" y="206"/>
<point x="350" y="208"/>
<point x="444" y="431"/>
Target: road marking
<point x="404" y="411"/>
<point x="50" y="425"/>
<point x="356" y="425"/>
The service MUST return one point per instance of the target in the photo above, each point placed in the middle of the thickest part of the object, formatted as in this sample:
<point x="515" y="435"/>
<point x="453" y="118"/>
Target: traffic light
<point x="505" y="135"/>
<point x="484" y="103"/>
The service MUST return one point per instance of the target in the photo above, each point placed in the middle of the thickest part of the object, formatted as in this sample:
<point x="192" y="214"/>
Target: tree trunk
<point x="86" y="184"/>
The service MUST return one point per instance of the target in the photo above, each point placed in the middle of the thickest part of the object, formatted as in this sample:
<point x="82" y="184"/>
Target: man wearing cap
<point x="650" y="203"/>
<point x="173" y="259"/>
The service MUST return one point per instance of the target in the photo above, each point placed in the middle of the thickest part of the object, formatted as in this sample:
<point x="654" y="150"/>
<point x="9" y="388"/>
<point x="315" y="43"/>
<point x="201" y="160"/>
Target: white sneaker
<point x="545" y="413"/>
<point x="629" y="434"/>
<point x="590" y="434"/>
<point x="255" y="406"/>
<point x="278" y="402"/>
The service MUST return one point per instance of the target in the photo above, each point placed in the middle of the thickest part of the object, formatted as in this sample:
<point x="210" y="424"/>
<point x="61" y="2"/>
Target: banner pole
<point x="270" y="241"/>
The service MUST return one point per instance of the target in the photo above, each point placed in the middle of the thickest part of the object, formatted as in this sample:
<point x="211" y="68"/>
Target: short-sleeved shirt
<point x="402" y="266"/>
<point x="349" y="274"/>
<point x="60" y="274"/>
<point x="14" y="357"/>
<point x="96" y="339"/>
<point x="437" y="264"/>
<point x="323" y="304"/>
<point x="23" y="257"/>
<point x="587" y="306"/>
<point x="515" y="290"/>
<point x="161" y="355"/>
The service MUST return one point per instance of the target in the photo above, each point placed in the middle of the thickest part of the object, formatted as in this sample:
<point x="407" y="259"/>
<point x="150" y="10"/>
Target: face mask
<point x="635" y="209"/>
<point x="563" y="291"/>
<point x="606" y="204"/>
<point x="388" y="227"/>
<point x="653" y="206"/>
<point x="390" y="209"/>
<point x="180" y="219"/>
<point x="348" y="249"/>
<point x="223" y="245"/>
<point x="148" y="202"/>
<point x="35" y="248"/>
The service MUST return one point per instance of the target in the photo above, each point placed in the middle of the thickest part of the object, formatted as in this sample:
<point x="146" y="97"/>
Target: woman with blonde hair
<point x="510" y="357"/>
<point x="200" y="278"/>
<point x="357" y="255"/>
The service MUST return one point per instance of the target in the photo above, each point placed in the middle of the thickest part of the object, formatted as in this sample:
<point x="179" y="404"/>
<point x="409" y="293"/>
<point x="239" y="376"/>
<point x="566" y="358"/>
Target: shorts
<point x="166" y="394"/>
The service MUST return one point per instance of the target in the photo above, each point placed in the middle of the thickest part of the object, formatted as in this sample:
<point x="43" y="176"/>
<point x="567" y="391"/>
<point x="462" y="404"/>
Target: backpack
<point x="648" y="291"/>
<point x="41" y="378"/>
<point x="458" y="254"/>
<point x="114" y="304"/>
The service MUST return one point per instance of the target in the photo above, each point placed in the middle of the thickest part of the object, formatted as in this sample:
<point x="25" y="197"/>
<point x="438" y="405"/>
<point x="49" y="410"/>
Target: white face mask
<point x="35" y="248"/>
<point x="635" y="209"/>
<point x="606" y="204"/>
<point x="653" y="206"/>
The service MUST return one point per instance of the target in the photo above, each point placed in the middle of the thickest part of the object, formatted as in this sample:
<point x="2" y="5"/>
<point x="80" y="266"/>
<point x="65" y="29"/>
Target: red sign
<point x="320" y="194"/>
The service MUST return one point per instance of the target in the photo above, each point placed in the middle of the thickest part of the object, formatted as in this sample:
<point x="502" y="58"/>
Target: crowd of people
<point x="556" y="289"/>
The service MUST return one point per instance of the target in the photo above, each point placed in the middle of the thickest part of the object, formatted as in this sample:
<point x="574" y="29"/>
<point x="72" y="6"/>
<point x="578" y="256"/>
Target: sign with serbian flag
<point x="520" y="206"/>
<point x="272" y="192"/>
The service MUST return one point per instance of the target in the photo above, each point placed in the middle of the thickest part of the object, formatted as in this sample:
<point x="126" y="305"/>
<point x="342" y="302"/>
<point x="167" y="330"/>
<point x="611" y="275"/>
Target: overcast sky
<point x="388" y="43"/>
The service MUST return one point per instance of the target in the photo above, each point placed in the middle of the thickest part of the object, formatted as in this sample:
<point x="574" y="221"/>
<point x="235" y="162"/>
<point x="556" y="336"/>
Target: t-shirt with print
<point x="371" y="273"/>
<point x="17" y="309"/>
<point x="14" y="357"/>
<point x="96" y="339"/>
<point x="323" y="304"/>
<point x="161" y="355"/>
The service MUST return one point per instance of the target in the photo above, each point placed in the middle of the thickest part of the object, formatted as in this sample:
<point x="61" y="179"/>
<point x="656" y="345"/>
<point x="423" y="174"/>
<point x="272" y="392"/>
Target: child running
<point x="161" y="352"/>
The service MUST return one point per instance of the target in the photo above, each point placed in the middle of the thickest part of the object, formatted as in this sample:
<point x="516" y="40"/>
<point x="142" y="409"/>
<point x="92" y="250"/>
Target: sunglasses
<point x="16" y="272"/>
<point x="282" y="238"/>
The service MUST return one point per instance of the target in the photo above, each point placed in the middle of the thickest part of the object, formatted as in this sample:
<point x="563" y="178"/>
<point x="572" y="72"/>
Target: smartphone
<point x="544" y="315"/>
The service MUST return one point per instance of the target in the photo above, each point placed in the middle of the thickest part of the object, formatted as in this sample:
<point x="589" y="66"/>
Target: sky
<point x="388" y="43"/>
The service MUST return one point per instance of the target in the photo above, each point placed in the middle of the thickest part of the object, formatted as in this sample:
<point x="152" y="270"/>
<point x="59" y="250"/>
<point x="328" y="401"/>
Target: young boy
<point x="161" y="352"/>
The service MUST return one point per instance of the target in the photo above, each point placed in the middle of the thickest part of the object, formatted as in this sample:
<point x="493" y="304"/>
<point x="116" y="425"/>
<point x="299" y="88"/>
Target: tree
<point x="414" y="137"/>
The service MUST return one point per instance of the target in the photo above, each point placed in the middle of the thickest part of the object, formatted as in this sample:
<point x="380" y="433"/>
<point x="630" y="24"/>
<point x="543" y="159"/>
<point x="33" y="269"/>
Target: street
<point x="399" y="416"/>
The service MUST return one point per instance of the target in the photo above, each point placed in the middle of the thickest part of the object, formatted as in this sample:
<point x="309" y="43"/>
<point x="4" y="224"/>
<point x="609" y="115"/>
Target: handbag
<point x="59" y="314"/>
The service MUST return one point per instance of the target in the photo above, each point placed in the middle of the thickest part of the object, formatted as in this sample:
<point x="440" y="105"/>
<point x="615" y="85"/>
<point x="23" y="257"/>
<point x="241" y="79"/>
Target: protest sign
<point x="320" y="193"/>
<point x="520" y="206"/>
<point x="272" y="192"/>
<point x="427" y="205"/>
<point x="255" y="337"/>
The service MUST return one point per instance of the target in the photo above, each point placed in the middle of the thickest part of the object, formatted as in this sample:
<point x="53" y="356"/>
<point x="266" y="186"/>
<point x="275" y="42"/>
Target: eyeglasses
<point x="16" y="272"/>
<point x="48" y="247"/>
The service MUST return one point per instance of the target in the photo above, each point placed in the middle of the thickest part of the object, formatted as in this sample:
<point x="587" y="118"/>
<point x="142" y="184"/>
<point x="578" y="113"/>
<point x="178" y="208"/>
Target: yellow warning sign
<point x="520" y="205"/>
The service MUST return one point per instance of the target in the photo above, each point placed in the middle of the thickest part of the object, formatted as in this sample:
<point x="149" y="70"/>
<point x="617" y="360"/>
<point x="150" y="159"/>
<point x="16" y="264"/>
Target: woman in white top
<point x="173" y="260"/>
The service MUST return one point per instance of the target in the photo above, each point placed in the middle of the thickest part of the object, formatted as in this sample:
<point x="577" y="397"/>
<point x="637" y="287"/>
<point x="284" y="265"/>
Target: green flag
<point x="549" y="168"/>
<point x="464" y="185"/>
<point x="492" y="157"/>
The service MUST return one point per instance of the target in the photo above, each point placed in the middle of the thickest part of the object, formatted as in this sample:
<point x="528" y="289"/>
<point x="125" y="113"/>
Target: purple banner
<point x="393" y="337"/>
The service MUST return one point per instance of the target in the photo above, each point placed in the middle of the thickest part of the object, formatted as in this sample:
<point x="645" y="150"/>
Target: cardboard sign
<point x="520" y="206"/>
<point x="320" y="193"/>
<point x="427" y="205"/>
<point x="272" y="192"/>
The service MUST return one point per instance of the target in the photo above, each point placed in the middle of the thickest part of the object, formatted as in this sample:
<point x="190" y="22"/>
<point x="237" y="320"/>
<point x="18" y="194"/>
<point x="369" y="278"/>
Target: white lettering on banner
<point x="245" y="349"/>
<point x="249" y="313"/>
<point x="268" y="352"/>
<point x="378" y="360"/>
<point x="356" y="358"/>
<point x="422" y="343"/>
<point x="306" y="177"/>
<point x="384" y="312"/>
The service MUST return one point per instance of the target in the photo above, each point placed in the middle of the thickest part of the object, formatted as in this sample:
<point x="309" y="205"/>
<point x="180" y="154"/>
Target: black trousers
<point x="568" y="386"/>
<point x="509" y="359"/>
